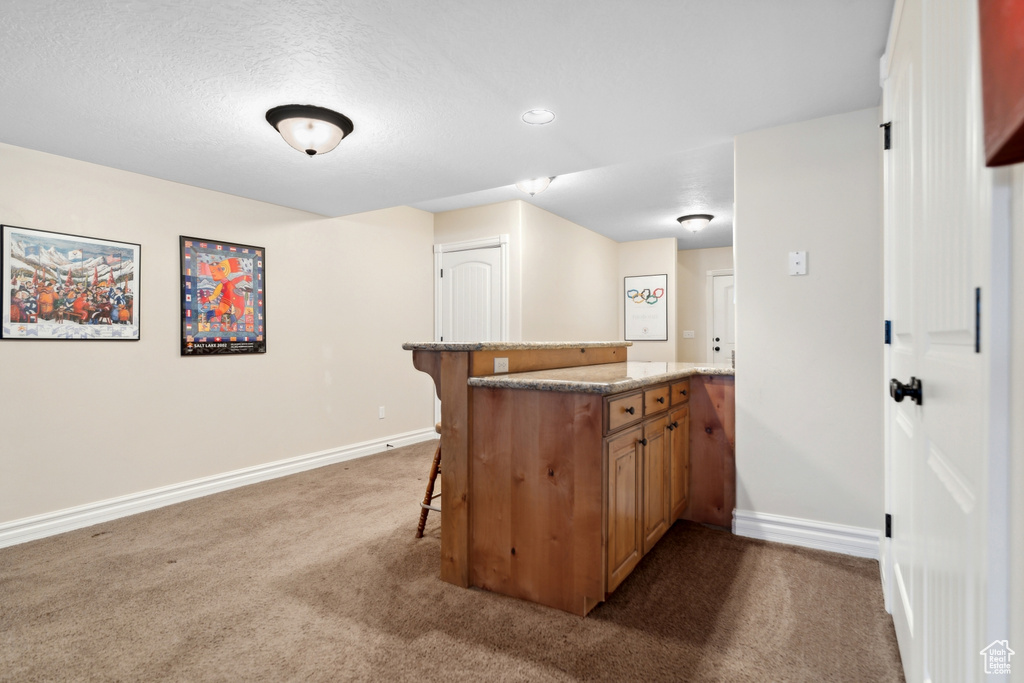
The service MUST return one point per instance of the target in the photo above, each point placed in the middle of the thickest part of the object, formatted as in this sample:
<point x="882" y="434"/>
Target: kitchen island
<point x="559" y="475"/>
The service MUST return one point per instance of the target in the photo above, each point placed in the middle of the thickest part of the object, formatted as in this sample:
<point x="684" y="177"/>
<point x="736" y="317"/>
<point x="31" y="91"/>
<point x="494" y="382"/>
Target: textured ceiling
<point x="648" y="96"/>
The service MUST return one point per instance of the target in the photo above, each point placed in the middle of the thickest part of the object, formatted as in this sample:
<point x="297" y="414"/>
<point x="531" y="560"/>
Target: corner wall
<point x="89" y="421"/>
<point x="569" y="290"/>
<point x="809" y="411"/>
<point x="692" y="266"/>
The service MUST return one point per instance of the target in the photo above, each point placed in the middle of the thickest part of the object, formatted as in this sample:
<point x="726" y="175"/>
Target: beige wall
<point x="569" y="280"/>
<point x="809" y="406"/>
<point x="649" y="257"/>
<point x="692" y="266"/>
<point x="89" y="421"/>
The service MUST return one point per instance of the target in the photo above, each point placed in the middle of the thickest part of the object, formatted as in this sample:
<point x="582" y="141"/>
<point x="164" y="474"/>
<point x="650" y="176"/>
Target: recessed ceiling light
<point x="535" y="186"/>
<point x="539" y="117"/>
<point x="695" y="221"/>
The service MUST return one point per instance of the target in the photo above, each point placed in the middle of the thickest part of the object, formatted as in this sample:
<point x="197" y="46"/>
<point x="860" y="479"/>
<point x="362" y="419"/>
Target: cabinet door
<point x="624" y="479"/>
<point x="656" y="481"/>
<point x="679" y="459"/>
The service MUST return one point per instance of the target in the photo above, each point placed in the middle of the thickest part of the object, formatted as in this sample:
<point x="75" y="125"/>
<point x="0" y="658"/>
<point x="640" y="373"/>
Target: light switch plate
<point x="687" y="334"/>
<point x="500" y="365"/>
<point x="798" y="263"/>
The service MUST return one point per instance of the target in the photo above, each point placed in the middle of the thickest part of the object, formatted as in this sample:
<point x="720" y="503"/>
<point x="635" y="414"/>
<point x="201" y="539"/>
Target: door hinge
<point x="977" y="319"/>
<point x="888" y="332"/>
<point x="887" y="126"/>
<point x="888" y="525"/>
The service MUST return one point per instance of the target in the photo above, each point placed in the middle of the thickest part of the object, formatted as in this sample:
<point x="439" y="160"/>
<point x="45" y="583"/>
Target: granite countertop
<point x="507" y="346"/>
<point x="608" y="378"/>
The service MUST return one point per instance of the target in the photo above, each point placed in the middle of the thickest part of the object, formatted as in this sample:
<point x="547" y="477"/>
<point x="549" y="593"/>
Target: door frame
<point x="709" y="292"/>
<point x="499" y="241"/>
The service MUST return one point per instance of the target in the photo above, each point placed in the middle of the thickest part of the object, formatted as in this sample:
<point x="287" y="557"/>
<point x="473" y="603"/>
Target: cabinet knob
<point x="630" y="410"/>
<point x="675" y="424"/>
<point x="683" y="392"/>
<point x="671" y="427"/>
<point x="660" y="399"/>
<point x="643" y="442"/>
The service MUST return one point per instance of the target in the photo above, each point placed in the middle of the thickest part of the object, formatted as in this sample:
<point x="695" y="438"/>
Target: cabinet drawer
<point x="623" y="410"/>
<point x="655" y="400"/>
<point x="680" y="392"/>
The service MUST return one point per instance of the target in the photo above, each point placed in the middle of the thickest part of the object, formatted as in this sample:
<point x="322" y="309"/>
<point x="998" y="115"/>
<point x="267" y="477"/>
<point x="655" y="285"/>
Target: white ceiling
<point x="648" y="96"/>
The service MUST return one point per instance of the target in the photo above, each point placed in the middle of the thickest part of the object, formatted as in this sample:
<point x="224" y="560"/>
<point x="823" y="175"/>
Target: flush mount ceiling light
<point x="539" y="117"/>
<point x="695" y="221"/>
<point x="535" y="186"/>
<point x="309" y="129"/>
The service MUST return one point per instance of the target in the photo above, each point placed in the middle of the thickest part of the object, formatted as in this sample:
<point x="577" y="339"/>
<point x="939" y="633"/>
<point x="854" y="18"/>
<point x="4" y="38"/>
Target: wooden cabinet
<point x="624" y="458"/>
<point x="655" y="453"/>
<point x="555" y="495"/>
<point x="679" y="460"/>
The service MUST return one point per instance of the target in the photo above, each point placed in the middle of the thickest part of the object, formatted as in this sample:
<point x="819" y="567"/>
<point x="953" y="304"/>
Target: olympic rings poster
<point x="646" y="308"/>
<point x="222" y="301"/>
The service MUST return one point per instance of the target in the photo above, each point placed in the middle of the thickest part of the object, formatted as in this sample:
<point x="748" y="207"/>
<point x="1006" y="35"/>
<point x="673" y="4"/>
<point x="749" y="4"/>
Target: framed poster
<point x="222" y="303"/>
<point x="68" y="286"/>
<point x="646" y="308"/>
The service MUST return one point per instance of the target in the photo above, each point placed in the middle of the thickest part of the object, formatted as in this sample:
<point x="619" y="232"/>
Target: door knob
<point x="899" y="391"/>
<point x="718" y="339"/>
<point x="717" y="349"/>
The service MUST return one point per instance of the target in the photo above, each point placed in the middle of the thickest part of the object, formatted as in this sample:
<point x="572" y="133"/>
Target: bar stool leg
<point x="425" y="506"/>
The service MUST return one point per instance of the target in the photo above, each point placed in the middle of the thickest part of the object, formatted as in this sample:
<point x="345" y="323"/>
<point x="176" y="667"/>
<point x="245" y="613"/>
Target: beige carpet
<point x="318" y="577"/>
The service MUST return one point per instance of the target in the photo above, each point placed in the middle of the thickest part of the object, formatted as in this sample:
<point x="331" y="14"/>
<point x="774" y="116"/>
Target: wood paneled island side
<point x="560" y="475"/>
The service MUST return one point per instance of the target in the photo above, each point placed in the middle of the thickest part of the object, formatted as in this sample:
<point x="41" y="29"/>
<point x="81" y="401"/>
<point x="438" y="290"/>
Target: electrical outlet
<point x="500" y="365"/>
<point x="380" y="413"/>
<point x="687" y="334"/>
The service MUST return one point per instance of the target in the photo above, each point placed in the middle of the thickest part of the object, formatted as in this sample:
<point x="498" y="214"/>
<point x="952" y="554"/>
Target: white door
<point x="723" y="329"/>
<point x="937" y="234"/>
<point x="471" y="295"/>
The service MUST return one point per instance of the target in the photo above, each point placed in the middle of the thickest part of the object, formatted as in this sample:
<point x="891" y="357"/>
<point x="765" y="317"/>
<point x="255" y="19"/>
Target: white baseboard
<point x="837" y="538"/>
<point x="51" y="523"/>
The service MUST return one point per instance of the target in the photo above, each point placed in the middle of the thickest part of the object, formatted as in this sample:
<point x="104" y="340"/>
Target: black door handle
<point x="899" y="391"/>
<point x="718" y="339"/>
<point x="717" y="349"/>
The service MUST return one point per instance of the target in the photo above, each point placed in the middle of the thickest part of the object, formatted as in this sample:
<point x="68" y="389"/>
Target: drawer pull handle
<point x="630" y="410"/>
<point x="660" y="399"/>
<point x="643" y="442"/>
<point x="683" y="392"/>
<point x="675" y="425"/>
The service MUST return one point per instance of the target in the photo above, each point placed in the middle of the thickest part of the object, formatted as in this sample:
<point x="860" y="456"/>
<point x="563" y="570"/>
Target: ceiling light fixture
<point x="309" y="129"/>
<point x="695" y="221"/>
<point x="535" y="186"/>
<point x="539" y="117"/>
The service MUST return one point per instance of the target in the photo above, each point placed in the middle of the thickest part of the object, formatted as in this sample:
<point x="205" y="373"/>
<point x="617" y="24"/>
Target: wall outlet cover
<point x="798" y="263"/>
<point x="500" y="365"/>
<point x="687" y="334"/>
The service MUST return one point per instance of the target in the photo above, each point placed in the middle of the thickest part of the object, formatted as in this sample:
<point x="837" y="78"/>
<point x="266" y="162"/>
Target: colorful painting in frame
<point x="222" y="302"/>
<point x="69" y="287"/>
<point x="646" y="308"/>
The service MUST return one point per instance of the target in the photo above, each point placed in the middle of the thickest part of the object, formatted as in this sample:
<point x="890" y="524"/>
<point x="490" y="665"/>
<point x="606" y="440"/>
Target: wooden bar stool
<point x="429" y="496"/>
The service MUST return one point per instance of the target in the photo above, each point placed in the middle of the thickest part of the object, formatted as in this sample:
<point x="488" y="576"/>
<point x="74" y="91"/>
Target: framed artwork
<point x="646" y="308"/>
<point x="222" y="303"/>
<point x="64" y="286"/>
